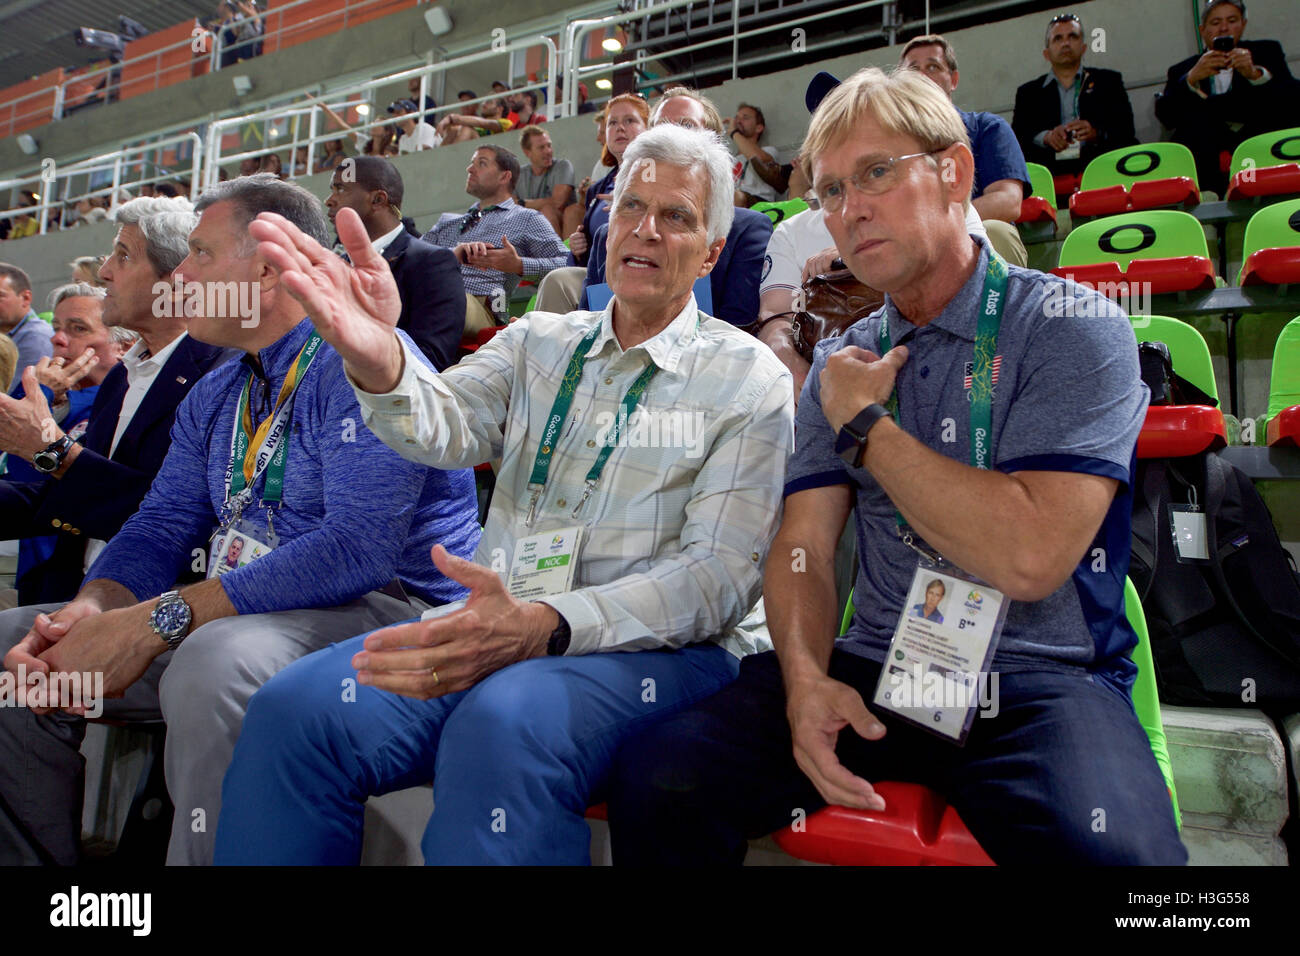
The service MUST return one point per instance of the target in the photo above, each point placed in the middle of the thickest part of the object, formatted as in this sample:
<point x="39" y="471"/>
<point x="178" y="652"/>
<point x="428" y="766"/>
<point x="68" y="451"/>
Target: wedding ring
<point x="434" y="673"/>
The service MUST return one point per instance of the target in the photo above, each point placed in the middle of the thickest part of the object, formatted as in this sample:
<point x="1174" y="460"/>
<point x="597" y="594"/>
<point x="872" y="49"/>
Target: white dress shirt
<point x="676" y="537"/>
<point x="384" y="241"/>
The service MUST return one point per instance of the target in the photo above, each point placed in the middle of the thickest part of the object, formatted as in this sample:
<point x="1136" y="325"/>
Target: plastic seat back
<point x="1266" y="165"/>
<point x="1141" y="163"/>
<point x="778" y="212"/>
<point x="1146" y="699"/>
<point x="1040" y="182"/>
<point x="1270" y="252"/>
<point x="1155" y="234"/>
<point x="1284" y="387"/>
<point x="1187" y="348"/>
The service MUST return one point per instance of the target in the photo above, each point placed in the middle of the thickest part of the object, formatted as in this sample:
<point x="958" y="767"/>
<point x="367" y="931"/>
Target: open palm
<point x="354" y="307"/>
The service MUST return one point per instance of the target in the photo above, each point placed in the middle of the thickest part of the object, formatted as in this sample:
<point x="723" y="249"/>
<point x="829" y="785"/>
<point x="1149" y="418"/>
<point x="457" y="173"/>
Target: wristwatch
<point x="49" y="458"/>
<point x="851" y="442"/>
<point x="558" y="645"/>
<point x="171" y="619"/>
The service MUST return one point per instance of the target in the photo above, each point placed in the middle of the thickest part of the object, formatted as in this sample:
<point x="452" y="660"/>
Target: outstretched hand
<point x="354" y="307"/>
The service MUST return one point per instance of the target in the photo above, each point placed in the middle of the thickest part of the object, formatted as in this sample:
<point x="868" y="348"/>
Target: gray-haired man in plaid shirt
<point x="497" y="241"/>
<point x="652" y="434"/>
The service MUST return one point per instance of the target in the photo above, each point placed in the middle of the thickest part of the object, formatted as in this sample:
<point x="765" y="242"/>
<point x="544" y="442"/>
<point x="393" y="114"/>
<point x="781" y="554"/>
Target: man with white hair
<point x="642" y="456"/>
<point x="948" y="425"/>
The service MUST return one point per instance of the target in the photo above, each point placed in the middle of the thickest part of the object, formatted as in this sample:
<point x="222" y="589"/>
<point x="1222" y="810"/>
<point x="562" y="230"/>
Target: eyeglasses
<point x="471" y="217"/>
<point x="879" y="177"/>
<point x="1063" y="18"/>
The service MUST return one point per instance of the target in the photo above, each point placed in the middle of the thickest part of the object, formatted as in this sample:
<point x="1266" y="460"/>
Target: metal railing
<point x="52" y="102"/>
<point x="50" y="178"/>
<point x="363" y="91"/>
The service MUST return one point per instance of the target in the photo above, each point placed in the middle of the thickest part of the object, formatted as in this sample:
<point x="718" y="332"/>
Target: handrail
<point x="114" y="161"/>
<point x="214" y="155"/>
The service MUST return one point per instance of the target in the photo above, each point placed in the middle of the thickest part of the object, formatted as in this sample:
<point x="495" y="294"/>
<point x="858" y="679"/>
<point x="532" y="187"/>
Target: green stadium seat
<point x="1271" y="249"/>
<point x="918" y="827"/>
<point x="1284" y="388"/>
<point x="1145" y="176"/>
<point x="1266" y="165"/>
<point x="1174" y="431"/>
<point x="778" y="212"/>
<point x="1162" y="248"/>
<point x="1040" y="205"/>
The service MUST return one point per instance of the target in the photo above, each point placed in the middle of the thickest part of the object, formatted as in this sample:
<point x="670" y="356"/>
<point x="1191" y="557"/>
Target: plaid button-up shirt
<point x="680" y="522"/>
<point x="529" y="232"/>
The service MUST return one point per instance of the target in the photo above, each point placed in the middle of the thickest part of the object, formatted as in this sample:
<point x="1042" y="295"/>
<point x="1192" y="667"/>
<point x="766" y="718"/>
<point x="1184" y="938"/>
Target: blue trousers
<point x="1062" y="774"/>
<point x="514" y="760"/>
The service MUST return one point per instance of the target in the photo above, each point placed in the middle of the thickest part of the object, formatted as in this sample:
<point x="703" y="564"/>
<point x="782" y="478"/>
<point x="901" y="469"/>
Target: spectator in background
<point x="250" y="165"/>
<point x="26" y="224"/>
<point x="90" y="210"/>
<point x="8" y="359"/>
<point x="241" y="31"/>
<point x="734" y="280"/>
<point x="298" y="167"/>
<point x="172" y="190"/>
<point x="331" y="155"/>
<point x="428" y="277"/>
<point x="545" y="183"/>
<point x="502" y="88"/>
<point x="583" y="105"/>
<point x="497" y="241"/>
<point x="626" y="117"/>
<point x="758" y="171"/>
<point x="523" y="105"/>
<point x="470" y="109"/>
<point x="464" y="127"/>
<point x="413" y="87"/>
<point x="85" y="269"/>
<point x="1214" y="100"/>
<point x="271" y="164"/>
<point x="1071" y="114"/>
<point x="20" y="322"/>
<point x="415" y="135"/>
<point x="382" y="141"/>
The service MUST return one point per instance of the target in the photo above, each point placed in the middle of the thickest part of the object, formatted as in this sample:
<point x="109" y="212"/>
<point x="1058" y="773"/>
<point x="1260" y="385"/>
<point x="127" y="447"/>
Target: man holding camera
<point x="1236" y="89"/>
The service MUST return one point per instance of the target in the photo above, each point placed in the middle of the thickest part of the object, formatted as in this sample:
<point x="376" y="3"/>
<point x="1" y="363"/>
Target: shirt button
<point x="609" y="381"/>
<point x="397" y="401"/>
<point x="753" y="556"/>
<point x="409" y="441"/>
<point x="561" y="503"/>
<point x="591" y="443"/>
<point x="56" y="523"/>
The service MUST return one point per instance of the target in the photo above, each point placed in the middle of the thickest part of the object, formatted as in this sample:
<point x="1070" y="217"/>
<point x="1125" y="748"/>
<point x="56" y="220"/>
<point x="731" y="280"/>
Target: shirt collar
<point x="276" y="358"/>
<point x="384" y="241"/>
<point x="504" y="204"/>
<point x="135" y="358"/>
<point x="1050" y="78"/>
<point x="31" y="314"/>
<point x="665" y="349"/>
<point x="959" y="317"/>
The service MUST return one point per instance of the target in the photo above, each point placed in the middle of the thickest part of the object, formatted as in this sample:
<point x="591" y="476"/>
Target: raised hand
<point x="354" y="307"/>
<point x="60" y="377"/>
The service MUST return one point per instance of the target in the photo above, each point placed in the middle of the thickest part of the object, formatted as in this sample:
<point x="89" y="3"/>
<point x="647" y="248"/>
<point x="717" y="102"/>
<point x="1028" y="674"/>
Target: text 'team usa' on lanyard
<point x="981" y="388"/>
<point x="265" y="448"/>
<point x="560" y="411"/>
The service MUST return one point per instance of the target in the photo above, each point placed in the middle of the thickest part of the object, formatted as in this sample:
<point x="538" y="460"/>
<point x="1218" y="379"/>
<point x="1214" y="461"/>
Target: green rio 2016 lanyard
<point x="247" y="445"/>
<point x="560" y="411"/>
<point x="986" y="346"/>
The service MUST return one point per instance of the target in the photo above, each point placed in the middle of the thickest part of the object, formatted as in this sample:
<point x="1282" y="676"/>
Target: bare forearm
<point x="799" y="595"/>
<point x="106" y="594"/>
<point x="1001" y="203"/>
<point x="769" y="170"/>
<point x="208" y="602"/>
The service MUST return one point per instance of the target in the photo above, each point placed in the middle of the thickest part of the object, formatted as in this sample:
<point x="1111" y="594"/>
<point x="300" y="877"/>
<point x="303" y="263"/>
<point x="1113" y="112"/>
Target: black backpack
<point x="1227" y="629"/>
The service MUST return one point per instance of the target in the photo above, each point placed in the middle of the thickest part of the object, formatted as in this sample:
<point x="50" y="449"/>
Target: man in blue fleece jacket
<point x="268" y="451"/>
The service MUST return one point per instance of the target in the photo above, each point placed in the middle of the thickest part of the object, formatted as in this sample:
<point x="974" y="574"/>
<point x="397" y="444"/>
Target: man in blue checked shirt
<point x="642" y="454"/>
<point x="330" y="533"/>
<point x="497" y="241"/>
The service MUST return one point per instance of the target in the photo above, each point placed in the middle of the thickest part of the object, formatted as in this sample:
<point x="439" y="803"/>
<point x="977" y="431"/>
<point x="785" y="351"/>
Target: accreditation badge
<point x="238" y="544"/>
<point x="937" y="662"/>
<point x="1070" y="152"/>
<point x="545" y="563"/>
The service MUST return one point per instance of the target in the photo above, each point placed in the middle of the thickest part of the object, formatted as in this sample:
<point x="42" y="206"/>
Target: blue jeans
<point x="514" y="760"/>
<point x="1062" y="774"/>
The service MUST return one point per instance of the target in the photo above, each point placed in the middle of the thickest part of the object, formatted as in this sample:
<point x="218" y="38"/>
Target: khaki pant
<point x="477" y="316"/>
<point x="560" y="290"/>
<point x="1006" y="241"/>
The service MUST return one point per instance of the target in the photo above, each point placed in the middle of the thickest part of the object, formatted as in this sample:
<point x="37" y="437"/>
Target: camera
<point x="1223" y="44"/>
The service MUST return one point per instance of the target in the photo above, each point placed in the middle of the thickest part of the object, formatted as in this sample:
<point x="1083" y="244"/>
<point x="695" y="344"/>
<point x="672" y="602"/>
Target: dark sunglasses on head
<point x="471" y="217"/>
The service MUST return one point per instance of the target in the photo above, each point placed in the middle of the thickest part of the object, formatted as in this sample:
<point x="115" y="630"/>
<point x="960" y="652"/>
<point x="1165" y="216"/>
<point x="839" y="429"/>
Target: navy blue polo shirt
<point x="1068" y="396"/>
<point x="997" y="152"/>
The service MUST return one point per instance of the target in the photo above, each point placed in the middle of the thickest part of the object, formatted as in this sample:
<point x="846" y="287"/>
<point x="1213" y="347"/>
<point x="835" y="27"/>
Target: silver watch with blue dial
<point x="171" y="618"/>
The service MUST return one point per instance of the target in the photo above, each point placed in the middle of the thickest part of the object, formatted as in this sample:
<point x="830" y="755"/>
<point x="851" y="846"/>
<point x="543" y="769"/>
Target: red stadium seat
<point x="1284" y="427"/>
<point x="483" y="338"/>
<point x="1270" y="181"/>
<point x="916" y="828"/>
<point x="1272" y="267"/>
<point x="1175" y="431"/>
<point x="1175" y="274"/>
<point x="1036" y="209"/>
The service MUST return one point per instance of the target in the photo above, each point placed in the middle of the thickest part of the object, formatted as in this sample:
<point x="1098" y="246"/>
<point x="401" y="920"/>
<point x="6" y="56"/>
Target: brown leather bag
<point x="832" y="302"/>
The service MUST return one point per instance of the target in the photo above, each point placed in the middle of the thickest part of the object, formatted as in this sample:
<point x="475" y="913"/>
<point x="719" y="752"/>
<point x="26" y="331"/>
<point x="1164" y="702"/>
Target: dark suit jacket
<point x="433" y="296"/>
<point x="97" y="494"/>
<point x="1268" y="106"/>
<point x="1103" y="102"/>
<point x="734" y="281"/>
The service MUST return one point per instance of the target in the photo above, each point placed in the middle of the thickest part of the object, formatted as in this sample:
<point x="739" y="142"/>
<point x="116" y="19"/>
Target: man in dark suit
<point x="95" y="485"/>
<point x="1071" y="114"/>
<point x="1214" y="100"/>
<point x="428" y="276"/>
